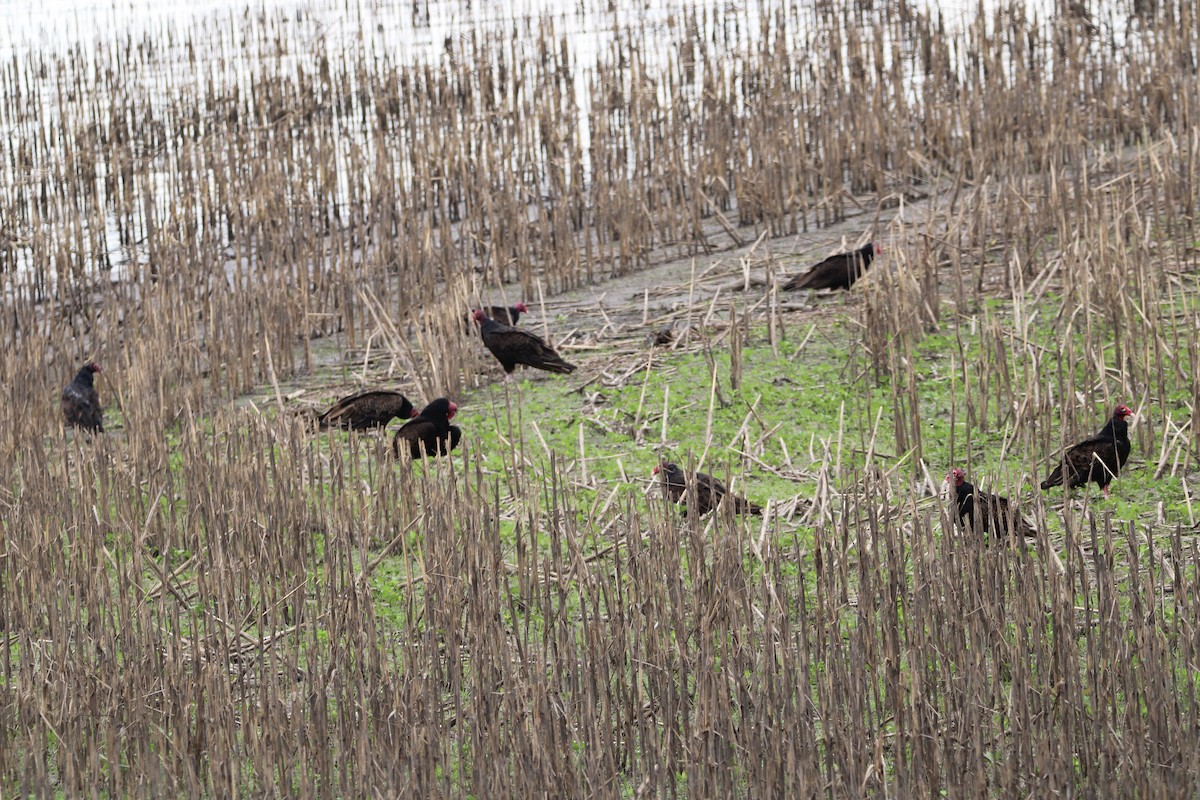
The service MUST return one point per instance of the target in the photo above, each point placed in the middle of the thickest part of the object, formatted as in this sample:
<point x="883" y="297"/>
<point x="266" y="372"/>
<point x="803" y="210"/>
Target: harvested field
<point x="245" y="217"/>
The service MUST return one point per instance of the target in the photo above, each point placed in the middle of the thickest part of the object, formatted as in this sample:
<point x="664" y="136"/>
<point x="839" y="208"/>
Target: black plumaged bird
<point x="709" y="491"/>
<point x="998" y="513"/>
<point x="512" y="346"/>
<point x="430" y="432"/>
<point x="838" y="271"/>
<point x="81" y="403"/>
<point x="505" y="314"/>
<point x="1097" y="459"/>
<point x="367" y="410"/>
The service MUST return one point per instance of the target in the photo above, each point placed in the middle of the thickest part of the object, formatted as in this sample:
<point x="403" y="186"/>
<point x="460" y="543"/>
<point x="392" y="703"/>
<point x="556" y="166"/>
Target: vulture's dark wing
<point x="1097" y="459"/>
<point x="420" y="435"/>
<point x="710" y="491"/>
<point x="966" y="504"/>
<point x="81" y="407"/>
<point x="455" y="438"/>
<point x="674" y="483"/>
<point x="839" y="271"/>
<point x="1003" y="517"/>
<point x="505" y="315"/>
<point x="512" y="346"/>
<point x="998" y="516"/>
<point x="366" y="410"/>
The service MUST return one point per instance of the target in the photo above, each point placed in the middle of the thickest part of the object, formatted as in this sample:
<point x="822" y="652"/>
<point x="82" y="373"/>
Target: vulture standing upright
<point x="838" y="271"/>
<point x="367" y="410"/>
<point x="998" y="514"/>
<point x="512" y="346"/>
<point x="430" y="432"/>
<point x="709" y="491"/>
<point x="81" y="402"/>
<point x="1097" y="459"/>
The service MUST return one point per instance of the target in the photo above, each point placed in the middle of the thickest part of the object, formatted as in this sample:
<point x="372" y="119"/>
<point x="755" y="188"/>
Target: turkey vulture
<point x="512" y="346"/>
<point x="1098" y="459"/>
<point x="709" y="491"/>
<point x="838" y="271"/>
<point x="506" y="314"/>
<point x="998" y="513"/>
<point x="430" y="432"/>
<point x="81" y="403"/>
<point x="367" y="410"/>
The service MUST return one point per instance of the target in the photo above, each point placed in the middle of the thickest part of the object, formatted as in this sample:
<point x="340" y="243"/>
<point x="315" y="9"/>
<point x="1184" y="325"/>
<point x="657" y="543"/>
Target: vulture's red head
<point x="521" y="307"/>
<point x="93" y="367"/>
<point x="480" y="315"/>
<point x="1122" y="412"/>
<point x="877" y="248"/>
<point x="956" y="476"/>
<point x="439" y="408"/>
<point x="413" y="414"/>
<point x="657" y="469"/>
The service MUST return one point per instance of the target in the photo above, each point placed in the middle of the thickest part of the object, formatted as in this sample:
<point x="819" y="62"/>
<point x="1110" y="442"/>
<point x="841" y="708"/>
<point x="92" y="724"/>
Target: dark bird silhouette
<point x="661" y="337"/>
<point x="505" y="314"/>
<point x="512" y="346"/>
<point x="838" y="271"/>
<point x="709" y="491"/>
<point x="1097" y="459"/>
<point x="81" y="403"/>
<point x="430" y="432"/>
<point x="998" y="513"/>
<point x="367" y="410"/>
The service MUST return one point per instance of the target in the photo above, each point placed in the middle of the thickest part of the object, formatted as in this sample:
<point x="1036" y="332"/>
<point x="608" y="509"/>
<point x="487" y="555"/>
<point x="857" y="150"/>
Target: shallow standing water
<point x="62" y="57"/>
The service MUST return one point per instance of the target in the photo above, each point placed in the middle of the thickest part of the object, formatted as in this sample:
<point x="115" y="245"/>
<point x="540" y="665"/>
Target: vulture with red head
<point x="512" y="346"/>
<point x="430" y="432"/>
<point x="1098" y="459"/>
<point x="505" y="314"/>
<point x="997" y="515"/>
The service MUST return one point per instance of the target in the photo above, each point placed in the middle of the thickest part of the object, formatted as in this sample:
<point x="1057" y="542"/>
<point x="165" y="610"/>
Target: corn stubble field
<point x="214" y="599"/>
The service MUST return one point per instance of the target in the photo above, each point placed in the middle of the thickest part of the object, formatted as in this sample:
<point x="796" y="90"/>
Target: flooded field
<point x="174" y="77"/>
<point x="240" y="215"/>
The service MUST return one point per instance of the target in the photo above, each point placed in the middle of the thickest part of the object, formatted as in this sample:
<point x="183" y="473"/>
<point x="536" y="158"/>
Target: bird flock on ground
<point x="1098" y="459"/>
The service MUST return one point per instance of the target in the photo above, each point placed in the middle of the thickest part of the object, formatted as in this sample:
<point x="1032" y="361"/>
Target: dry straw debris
<point x="249" y="216"/>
